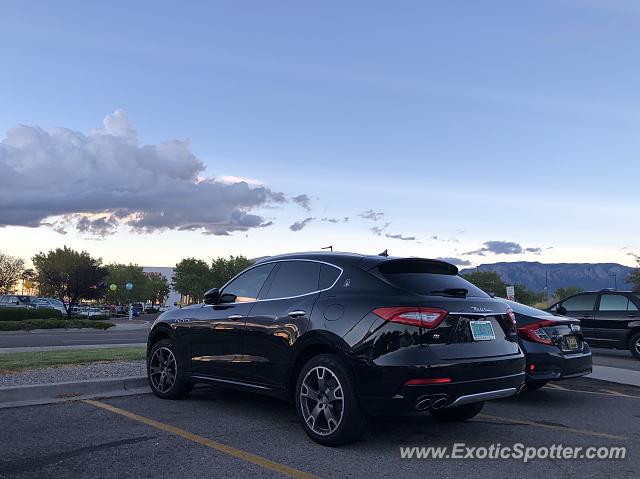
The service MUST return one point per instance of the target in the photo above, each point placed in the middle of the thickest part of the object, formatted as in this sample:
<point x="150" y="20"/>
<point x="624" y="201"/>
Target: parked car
<point x="52" y="303"/>
<point x="609" y="318"/>
<point x="18" y="300"/>
<point x="553" y="347"/>
<point x="343" y="336"/>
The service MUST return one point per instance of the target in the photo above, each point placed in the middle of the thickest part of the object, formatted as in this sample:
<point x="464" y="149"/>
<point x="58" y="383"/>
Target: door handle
<point x="632" y="315"/>
<point x="587" y="316"/>
<point x="236" y="316"/>
<point x="296" y="314"/>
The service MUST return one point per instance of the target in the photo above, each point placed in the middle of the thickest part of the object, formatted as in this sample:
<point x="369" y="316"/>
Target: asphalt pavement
<point x="223" y="433"/>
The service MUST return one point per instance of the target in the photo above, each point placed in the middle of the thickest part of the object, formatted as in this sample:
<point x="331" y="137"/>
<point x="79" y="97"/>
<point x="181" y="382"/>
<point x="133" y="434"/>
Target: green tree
<point x="120" y="275"/>
<point x="158" y="288"/>
<point x="488" y="281"/>
<point x="561" y="293"/>
<point x="192" y="278"/>
<point x="223" y="269"/>
<point x="69" y="275"/>
<point x="525" y="296"/>
<point x="10" y="270"/>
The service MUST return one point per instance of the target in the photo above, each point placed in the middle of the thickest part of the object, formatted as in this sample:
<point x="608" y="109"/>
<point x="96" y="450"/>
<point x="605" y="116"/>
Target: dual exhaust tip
<point x="424" y="403"/>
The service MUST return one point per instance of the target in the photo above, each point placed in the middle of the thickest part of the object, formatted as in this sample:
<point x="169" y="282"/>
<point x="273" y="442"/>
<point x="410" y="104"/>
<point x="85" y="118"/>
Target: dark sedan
<point x="554" y="347"/>
<point x="343" y="336"/>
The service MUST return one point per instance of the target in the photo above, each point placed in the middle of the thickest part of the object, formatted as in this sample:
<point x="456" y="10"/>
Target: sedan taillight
<point x="535" y="332"/>
<point x="413" y="316"/>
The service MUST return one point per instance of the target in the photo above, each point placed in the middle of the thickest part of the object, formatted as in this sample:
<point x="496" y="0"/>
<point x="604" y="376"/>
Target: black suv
<point x="609" y="318"/>
<point x="343" y="336"/>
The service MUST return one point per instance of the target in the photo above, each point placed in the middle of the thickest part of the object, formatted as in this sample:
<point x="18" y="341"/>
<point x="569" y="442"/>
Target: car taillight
<point x="535" y="332"/>
<point x="413" y="316"/>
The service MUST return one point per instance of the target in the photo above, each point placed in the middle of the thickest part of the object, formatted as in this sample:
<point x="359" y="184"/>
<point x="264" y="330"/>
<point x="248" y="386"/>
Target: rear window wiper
<point x="455" y="292"/>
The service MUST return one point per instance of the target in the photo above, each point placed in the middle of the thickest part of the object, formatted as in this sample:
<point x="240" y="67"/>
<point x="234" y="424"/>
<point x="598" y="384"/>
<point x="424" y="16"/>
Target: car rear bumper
<point x="550" y="364"/>
<point x="385" y="390"/>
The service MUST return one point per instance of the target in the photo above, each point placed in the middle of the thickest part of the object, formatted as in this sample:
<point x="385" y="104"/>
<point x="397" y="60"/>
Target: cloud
<point x="106" y="179"/>
<point x="371" y="215"/>
<point x="379" y="230"/>
<point x="400" y="237"/>
<point x="303" y="201"/>
<point x="298" y="225"/>
<point x="503" y="247"/>
<point x="455" y="261"/>
<point x="330" y="220"/>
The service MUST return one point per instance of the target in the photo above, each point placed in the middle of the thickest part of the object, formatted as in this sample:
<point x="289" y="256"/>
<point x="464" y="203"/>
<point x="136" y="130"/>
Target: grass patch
<point x="11" y="362"/>
<point x="29" y="324"/>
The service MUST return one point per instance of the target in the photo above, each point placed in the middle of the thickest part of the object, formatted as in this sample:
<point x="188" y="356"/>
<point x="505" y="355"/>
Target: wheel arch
<point x="309" y="345"/>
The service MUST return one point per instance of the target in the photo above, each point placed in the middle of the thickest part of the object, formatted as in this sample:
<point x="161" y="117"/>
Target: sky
<point x="147" y="132"/>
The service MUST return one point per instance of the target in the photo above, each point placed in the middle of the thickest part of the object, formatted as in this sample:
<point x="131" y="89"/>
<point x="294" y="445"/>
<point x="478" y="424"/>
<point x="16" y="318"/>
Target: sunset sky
<point x="146" y="132"/>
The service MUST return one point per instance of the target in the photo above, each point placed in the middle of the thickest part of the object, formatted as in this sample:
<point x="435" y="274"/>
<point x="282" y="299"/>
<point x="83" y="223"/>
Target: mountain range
<point x="534" y="275"/>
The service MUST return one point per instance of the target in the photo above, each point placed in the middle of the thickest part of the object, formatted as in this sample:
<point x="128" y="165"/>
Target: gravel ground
<point x="80" y="372"/>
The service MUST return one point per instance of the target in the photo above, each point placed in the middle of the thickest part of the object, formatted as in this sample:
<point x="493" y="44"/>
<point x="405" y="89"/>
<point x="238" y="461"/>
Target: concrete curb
<point x="14" y="396"/>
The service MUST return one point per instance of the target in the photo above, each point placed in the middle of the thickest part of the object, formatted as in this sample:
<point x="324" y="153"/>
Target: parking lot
<point x="223" y="433"/>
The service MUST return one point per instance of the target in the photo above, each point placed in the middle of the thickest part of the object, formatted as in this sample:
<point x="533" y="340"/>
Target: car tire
<point x="634" y="345"/>
<point x="327" y="403"/>
<point x="534" y="385"/>
<point x="164" y="371"/>
<point x="459" y="413"/>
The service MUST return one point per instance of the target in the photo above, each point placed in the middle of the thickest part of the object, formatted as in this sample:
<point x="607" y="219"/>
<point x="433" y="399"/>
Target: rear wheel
<point x="459" y="413"/>
<point x="634" y="345"/>
<point x="533" y="385"/>
<point x="326" y="401"/>
<point x="166" y="378"/>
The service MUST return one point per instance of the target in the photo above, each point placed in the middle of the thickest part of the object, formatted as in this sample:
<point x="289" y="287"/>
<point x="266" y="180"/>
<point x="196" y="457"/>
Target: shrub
<point x="28" y="324"/>
<point x="20" y="314"/>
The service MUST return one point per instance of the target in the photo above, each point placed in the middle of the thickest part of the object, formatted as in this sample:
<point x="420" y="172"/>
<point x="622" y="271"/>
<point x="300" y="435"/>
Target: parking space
<point x="223" y="433"/>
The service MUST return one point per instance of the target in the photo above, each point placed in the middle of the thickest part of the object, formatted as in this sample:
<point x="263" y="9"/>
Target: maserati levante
<point x="344" y="336"/>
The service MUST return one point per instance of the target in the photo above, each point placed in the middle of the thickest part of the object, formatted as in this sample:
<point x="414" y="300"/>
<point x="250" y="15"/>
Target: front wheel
<point x="634" y="345"/>
<point x="164" y="373"/>
<point x="458" y="413"/>
<point x="326" y="401"/>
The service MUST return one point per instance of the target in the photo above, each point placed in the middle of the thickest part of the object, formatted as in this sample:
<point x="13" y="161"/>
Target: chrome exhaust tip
<point x="422" y="404"/>
<point x="440" y="403"/>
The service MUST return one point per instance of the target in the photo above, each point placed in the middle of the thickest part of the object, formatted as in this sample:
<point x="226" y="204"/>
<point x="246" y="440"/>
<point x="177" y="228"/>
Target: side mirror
<point x="212" y="296"/>
<point x="561" y="310"/>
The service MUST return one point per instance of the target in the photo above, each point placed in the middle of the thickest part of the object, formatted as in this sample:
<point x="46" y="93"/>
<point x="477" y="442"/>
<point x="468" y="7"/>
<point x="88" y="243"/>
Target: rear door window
<point x="328" y="276"/>
<point x="428" y="278"/>
<point x="294" y="278"/>
<point x="616" y="302"/>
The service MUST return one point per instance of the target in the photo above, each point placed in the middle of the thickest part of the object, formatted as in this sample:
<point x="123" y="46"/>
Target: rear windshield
<point x="427" y="278"/>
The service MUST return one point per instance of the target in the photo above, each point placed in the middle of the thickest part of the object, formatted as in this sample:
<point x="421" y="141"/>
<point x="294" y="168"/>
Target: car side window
<point x="328" y="275"/>
<point x="581" y="302"/>
<point x="245" y="288"/>
<point x="294" y="278"/>
<point x="613" y="302"/>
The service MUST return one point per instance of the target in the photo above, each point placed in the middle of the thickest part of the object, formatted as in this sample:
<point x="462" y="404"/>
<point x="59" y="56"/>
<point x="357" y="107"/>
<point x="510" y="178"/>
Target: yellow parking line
<point x="599" y="393"/>
<point x="232" y="451"/>
<point x="551" y="426"/>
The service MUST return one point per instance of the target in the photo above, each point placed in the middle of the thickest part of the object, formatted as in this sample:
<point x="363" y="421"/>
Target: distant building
<point x="167" y="272"/>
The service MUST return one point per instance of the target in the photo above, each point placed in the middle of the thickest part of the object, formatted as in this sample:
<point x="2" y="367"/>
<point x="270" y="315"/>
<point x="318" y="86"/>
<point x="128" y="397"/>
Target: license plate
<point x="482" y="330"/>
<point x="572" y="342"/>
